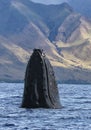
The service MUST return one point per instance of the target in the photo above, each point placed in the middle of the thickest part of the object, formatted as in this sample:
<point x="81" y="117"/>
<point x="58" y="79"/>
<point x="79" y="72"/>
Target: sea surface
<point x="75" y="114"/>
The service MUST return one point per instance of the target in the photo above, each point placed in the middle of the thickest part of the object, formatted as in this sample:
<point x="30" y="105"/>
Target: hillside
<point x="63" y="35"/>
<point x="82" y="6"/>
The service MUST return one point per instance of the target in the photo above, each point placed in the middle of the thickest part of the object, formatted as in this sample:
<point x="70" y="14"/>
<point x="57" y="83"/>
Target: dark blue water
<point x="76" y="114"/>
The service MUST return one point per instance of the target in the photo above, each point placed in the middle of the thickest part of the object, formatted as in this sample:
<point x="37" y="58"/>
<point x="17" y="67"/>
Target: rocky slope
<point x="62" y="34"/>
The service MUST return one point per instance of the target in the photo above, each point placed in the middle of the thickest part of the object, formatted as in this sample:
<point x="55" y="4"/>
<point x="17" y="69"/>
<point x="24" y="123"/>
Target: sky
<point x="49" y="1"/>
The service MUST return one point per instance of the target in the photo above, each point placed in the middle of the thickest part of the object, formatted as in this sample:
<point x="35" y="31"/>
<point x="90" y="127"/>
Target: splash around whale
<point x="40" y="88"/>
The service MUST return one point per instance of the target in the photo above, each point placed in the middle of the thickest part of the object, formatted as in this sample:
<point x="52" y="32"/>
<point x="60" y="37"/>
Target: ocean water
<point x="75" y="114"/>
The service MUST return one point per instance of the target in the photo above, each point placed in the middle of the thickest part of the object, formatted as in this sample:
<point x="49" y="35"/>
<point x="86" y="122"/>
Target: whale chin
<point x="40" y="88"/>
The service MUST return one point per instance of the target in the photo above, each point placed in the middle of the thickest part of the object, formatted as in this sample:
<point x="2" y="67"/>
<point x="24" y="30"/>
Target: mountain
<point x="63" y="35"/>
<point x="81" y="6"/>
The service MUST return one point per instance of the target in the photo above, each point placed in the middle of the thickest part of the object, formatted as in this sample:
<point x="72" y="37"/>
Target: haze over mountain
<point x="47" y="2"/>
<point x="65" y="37"/>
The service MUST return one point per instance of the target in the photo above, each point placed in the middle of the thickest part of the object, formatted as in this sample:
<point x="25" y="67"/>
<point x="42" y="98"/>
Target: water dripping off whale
<point x="40" y="88"/>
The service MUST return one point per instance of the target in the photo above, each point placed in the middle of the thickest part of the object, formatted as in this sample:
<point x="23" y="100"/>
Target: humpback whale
<point x="40" y="88"/>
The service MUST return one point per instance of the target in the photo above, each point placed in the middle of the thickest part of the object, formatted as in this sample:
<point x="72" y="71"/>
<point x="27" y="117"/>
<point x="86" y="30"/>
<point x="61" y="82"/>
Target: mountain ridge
<point x="53" y="28"/>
